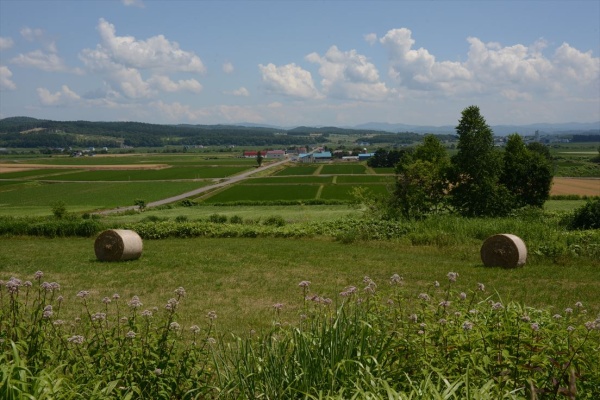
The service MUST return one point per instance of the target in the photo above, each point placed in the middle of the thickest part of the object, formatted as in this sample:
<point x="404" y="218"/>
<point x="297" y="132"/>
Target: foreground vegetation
<point x="450" y="341"/>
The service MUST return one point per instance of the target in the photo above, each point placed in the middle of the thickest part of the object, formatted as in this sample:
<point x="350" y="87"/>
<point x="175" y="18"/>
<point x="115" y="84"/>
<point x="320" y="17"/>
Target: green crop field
<point x="384" y="170"/>
<point x="364" y="179"/>
<point x="265" y="193"/>
<point x="33" y="173"/>
<point x="339" y="169"/>
<point x="174" y="173"/>
<point x="344" y="192"/>
<point x="87" y="196"/>
<point x="292" y="179"/>
<point x="298" y="170"/>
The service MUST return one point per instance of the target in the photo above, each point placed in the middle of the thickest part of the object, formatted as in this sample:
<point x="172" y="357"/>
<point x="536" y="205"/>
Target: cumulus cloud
<point x="62" y="97"/>
<point x="349" y="75"/>
<point x="133" y="3"/>
<point x="154" y="53"/>
<point x="242" y="91"/>
<point x="418" y="69"/>
<point x="6" y="82"/>
<point x="38" y="35"/>
<point x="371" y="38"/>
<point x="123" y="60"/>
<point x="6" y="43"/>
<point x="39" y="59"/>
<point x="177" y="111"/>
<point x="228" y="68"/>
<point x="47" y="59"/>
<point x="164" y="83"/>
<point x="31" y="34"/>
<point x="515" y="72"/>
<point x="288" y="80"/>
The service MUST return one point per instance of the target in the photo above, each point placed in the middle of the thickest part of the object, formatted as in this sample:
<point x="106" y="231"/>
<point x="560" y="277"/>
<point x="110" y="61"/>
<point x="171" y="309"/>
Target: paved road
<point x="220" y="183"/>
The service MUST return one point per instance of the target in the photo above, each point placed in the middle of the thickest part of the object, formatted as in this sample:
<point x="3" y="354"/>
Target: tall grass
<point x="445" y="341"/>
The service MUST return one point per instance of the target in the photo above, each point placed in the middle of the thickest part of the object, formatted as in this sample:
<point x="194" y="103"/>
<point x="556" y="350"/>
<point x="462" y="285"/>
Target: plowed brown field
<point x="580" y="186"/>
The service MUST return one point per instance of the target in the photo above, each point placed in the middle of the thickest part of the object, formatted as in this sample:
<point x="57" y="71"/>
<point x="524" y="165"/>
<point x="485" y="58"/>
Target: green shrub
<point x="217" y="218"/>
<point x="154" y="218"/>
<point x="59" y="209"/>
<point x="187" y="203"/>
<point x="275" y="220"/>
<point x="181" y="218"/>
<point x="587" y="216"/>
<point x="236" y="219"/>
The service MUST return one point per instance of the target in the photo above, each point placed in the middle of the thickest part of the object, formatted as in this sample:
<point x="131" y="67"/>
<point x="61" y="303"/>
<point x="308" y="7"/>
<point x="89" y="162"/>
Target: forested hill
<point x="31" y="132"/>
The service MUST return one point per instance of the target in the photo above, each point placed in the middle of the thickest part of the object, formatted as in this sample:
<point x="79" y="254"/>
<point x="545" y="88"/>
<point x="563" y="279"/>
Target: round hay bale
<point x="504" y="250"/>
<point x="118" y="245"/>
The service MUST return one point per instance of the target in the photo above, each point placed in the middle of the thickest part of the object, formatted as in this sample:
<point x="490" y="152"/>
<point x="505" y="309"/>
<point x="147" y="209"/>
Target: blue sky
<point x="291" y="63"/>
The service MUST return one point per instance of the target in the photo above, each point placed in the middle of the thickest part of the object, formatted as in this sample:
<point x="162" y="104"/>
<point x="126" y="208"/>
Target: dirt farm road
<point x="221" y="183"/>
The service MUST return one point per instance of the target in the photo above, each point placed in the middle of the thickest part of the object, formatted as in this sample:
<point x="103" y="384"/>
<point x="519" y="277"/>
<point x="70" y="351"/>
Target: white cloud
<point x="120" y="60"/>
<point x="154" y="53"/>
<point x="39" y="59"/>
<point x="6" y="43"/>
<point x="31" y="34"/>
<point x="514" y="72"/>
<point x="177" y="111"/>
<point x="349" y="75"/>
<point x="371" y="38"/>
<point x="133" y="3"/>
<point x="164" y="83"/>
<point x="288" y="80"/>
<point x="228" y="68"/>
<point x="417" y="69"/>
<point x="5" y="79"/>
<point x="575" y="65"/>
<point x="60" y="98"/>
<point x="242" y="91"/>
<point x="38" y="35"/>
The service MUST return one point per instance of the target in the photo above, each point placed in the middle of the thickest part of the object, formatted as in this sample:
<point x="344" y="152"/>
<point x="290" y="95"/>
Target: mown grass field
<point x="241" y="279"/>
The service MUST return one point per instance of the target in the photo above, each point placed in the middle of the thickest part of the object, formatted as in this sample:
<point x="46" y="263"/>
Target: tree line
<point x="480" y="180"/>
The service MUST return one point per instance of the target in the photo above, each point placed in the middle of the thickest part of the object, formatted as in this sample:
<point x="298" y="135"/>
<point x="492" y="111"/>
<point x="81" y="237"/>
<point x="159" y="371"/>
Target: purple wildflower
<point x="452" y="276"/>
<point x="77" y="339"/>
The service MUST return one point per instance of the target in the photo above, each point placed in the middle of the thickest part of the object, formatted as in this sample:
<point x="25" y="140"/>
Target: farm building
<point x="251" y="154"/>
<point x="275" y="154"/>
<point x="306" y="158"/>
<point x="322" y="156"/>
<point x="365" y="156"/>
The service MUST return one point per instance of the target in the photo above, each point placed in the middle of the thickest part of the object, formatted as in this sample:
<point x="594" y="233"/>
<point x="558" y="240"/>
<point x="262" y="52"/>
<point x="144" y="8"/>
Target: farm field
<point x="71" y="178"/>
<point x="26" y="198"/>
<point x="580" y="186"/>
<point x="241" y="279"/>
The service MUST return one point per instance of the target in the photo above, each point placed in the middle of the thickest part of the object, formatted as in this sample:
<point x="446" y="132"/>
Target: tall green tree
<point x="421" y="183"/>
<point x="476" y="169"/>
<point x="526" y="174"/>
<point x="259" y="158"/>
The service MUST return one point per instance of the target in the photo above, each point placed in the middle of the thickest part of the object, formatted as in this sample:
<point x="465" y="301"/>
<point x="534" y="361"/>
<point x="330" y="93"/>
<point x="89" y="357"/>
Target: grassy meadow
<point x="241" y="279"/>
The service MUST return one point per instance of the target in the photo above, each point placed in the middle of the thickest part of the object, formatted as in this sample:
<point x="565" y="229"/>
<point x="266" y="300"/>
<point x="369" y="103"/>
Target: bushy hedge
<point x="49" y="227"/>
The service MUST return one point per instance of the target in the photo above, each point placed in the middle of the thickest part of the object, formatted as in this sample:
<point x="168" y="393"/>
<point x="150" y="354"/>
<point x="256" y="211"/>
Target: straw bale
<point x="504" y="250"/>
<point x="118" y="245"/>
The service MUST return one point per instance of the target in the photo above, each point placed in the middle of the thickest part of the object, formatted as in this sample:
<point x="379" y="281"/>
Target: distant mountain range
<point x="500" y="130"/>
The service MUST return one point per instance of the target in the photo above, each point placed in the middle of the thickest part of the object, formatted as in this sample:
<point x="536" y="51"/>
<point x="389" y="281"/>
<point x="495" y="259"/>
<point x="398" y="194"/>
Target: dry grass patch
<point x="578" y="186"/>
